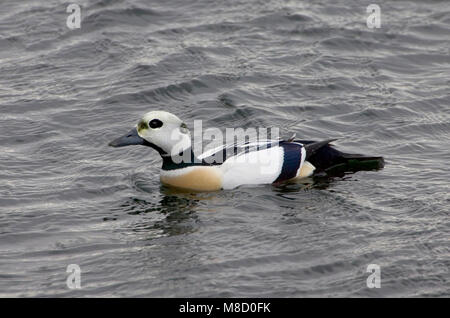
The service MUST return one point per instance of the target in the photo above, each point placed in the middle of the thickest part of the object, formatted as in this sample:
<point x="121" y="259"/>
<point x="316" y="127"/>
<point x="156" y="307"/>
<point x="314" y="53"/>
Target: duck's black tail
<point x="332" y="161"/>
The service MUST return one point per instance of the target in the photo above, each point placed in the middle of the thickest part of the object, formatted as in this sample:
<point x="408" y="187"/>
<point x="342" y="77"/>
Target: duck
<point x="231" y="166"/>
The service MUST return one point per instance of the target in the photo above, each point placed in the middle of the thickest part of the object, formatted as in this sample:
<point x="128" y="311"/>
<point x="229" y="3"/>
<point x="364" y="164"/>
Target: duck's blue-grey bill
<point x="132" y="138"/>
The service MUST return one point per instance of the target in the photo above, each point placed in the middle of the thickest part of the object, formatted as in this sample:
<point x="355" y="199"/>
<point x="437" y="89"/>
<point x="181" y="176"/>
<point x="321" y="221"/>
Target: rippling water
<point x="313" y="68"/>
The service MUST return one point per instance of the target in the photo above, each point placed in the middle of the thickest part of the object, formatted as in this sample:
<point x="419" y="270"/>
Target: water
<point x="310" y="68"/>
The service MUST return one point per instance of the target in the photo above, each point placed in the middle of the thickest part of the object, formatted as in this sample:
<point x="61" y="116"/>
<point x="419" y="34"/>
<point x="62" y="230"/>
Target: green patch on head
<point x="142" y="125"/>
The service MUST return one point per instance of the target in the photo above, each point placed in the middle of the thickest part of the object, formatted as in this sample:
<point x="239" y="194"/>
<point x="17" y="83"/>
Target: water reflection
<point x="171" y="211"/>
<point x="170" y="215"/>
<point x="167" y="212"/>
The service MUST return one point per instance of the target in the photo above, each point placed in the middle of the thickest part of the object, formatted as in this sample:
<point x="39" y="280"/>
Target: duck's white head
<point x="160" y="130"/>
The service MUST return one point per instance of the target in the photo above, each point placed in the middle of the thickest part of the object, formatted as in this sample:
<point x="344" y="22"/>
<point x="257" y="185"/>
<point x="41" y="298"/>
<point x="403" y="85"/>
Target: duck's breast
<point x="197" y="178"/>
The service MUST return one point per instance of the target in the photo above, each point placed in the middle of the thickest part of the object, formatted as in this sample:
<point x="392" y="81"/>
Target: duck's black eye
<point x="155" y="123"/>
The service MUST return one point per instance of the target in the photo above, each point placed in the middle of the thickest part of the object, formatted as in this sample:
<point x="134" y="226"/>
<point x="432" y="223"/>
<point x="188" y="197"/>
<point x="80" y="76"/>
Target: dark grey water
<point x="313" y="68"/>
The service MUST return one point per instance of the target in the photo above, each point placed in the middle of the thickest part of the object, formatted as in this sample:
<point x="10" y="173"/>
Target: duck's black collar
<point x="184" y="159"/>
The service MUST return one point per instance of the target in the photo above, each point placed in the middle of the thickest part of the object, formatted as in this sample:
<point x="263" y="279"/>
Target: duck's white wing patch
<point x="222" y="153"/>
<point x="255" y="167"/>
<point x="212" y="151"/>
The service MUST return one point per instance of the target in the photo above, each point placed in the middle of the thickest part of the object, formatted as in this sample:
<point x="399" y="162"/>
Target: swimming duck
<point x="264" y="162"/>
